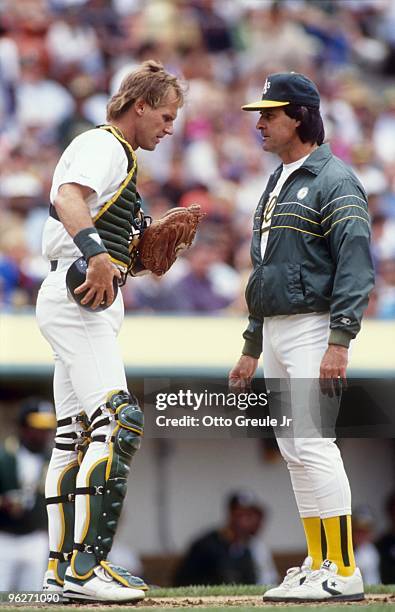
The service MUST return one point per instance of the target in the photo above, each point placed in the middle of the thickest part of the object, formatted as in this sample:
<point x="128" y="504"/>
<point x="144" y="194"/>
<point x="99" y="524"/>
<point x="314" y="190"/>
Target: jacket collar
<point x="314" y="163"/>
<point x="317" y="159"/>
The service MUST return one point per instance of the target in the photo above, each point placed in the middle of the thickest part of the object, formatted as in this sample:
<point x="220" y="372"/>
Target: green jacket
<point x="21" y="511"/>
<point x="317" y="257"/>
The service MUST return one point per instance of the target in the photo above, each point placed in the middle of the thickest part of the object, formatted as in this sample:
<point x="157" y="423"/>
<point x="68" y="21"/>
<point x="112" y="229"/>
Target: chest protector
<point x="120" y="220"/>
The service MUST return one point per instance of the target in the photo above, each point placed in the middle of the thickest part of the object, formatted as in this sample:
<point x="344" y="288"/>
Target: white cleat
<point x="294" y="577"/>
<point x="50" y="583"/>
<point x="101" y="586"/>
<point x="325" y="584"/>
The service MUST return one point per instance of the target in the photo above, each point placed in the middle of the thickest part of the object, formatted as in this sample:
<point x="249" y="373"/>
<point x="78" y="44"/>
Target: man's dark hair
<point x="311" y="128"/>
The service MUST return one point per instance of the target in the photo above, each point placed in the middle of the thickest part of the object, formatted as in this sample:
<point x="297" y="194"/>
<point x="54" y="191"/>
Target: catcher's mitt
<point x="164" y="239"/>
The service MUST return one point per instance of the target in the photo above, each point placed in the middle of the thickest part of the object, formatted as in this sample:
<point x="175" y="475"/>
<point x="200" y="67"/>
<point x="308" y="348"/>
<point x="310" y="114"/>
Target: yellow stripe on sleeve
<point x="341" y="208"/>
<point x="344" y="219"/>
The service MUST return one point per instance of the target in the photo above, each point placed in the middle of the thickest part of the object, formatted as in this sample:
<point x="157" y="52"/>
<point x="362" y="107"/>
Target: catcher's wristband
<point x="89" y="243"/>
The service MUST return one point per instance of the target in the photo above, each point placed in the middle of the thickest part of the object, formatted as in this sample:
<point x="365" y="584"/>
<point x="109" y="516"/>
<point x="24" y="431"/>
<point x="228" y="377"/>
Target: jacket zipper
<point x="262" y="261"/>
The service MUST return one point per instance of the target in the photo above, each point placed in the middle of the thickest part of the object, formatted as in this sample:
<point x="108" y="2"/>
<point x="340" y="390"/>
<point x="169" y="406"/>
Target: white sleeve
<point x="94" y="159"/>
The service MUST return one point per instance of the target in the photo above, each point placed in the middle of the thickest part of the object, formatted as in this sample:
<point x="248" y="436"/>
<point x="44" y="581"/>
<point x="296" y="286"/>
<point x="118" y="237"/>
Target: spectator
<point x="366" y="553"/>
<point x="198" y="291"/>
<point x="72" y="43"/>
<point x="23" y="520"/>
<point x="226" y="555"/>
<point x="386" y="544"/>
<point x="42" y="103"/>
<point x="386" y="289"/>
<point x="9" y="77"/>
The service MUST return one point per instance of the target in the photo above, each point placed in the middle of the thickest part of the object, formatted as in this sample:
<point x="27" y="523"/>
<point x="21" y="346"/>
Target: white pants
<point x="293" y="347"/>
<point x="22" y="561"/>
<point x="88" y="366"/>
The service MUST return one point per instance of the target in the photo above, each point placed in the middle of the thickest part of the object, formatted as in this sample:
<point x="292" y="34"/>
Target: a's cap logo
<point x="302" y="193"/>
<point x="266" y="86"/>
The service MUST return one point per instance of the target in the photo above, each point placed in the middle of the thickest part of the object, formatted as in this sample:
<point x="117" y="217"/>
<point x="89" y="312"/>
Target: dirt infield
<point x="209" y="603"/>
<point x="250" y="601"/>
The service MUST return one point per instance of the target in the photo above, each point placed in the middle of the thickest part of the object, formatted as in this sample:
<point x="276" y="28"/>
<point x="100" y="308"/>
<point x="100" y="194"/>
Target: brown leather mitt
<point x="165" y="238"/>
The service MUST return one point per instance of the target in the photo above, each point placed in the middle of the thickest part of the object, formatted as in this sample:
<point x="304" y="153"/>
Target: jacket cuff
<point x="251" y="349"/>
<point x="341" y="337"/>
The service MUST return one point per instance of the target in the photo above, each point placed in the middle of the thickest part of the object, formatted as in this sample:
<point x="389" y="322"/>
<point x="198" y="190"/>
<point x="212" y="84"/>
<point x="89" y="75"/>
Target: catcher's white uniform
<point x="88" y="362"/>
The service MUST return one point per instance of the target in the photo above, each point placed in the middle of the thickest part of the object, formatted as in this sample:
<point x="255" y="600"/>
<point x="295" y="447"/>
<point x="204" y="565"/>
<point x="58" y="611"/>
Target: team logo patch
<point x="266" y="86"/>
<point x="302" y="193"/>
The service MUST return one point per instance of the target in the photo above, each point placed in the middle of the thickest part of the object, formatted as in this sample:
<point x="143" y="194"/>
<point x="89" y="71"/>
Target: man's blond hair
<point x="151" y="83"/>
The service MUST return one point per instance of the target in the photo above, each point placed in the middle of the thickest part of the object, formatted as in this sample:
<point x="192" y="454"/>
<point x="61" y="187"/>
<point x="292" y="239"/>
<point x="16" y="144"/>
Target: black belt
<point x="54" y="265"/>
<point x="53" y="213"/>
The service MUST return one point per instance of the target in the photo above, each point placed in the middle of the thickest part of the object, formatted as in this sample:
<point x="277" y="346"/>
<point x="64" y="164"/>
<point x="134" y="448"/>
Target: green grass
<point x="240" y="589"/>
<point x="295" y="608"/>
<point x="214" y="591"/>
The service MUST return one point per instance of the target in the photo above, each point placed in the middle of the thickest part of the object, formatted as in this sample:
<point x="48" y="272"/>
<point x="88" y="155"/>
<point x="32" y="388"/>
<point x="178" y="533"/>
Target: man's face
<point x="278" y="130"/>
<point x="245" y="521"/>
<point x="155" y="123"/>
<point x="35" y="440"/>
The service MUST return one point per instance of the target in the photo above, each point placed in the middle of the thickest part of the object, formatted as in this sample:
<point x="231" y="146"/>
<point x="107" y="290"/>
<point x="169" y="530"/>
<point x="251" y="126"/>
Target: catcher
<point x="96" y="212"/>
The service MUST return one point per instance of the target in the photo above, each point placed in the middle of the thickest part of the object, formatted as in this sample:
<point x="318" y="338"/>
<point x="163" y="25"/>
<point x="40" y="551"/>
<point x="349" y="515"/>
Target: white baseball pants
<point x="23" y="561"/>
<point x="293" y="347"/>
<point x="88" y="366"/>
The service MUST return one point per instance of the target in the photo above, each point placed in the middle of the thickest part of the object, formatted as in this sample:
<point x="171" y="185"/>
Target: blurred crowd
<point x="61" y="59"/>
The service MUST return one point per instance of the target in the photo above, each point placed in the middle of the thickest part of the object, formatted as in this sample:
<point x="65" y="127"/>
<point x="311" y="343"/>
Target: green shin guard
<point x="60" y="558"/>
<point x="108" y="480"/>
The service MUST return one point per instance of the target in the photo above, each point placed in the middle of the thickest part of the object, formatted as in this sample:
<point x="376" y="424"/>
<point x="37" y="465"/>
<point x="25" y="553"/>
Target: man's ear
<point x="139" y="106"/>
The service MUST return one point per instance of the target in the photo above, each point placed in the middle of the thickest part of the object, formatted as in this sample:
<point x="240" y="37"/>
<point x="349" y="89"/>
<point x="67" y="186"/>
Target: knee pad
<point x="118" y="423"/>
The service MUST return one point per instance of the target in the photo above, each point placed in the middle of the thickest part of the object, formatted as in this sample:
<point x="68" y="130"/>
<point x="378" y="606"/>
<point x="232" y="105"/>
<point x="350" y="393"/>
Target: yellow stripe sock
<point x="315" y="538"/>
<point x="339" y="538"/>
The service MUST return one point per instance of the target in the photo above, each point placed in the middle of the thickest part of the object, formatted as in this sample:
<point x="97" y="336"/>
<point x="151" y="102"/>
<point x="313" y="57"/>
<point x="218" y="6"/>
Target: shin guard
<point x="71" y="437"/>
<point x="121" y="420"/>
<point x="59" y="559"/>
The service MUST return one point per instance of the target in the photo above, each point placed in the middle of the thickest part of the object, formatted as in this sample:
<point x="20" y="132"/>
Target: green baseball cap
<point x="284" y="88"/>
<point x="37" y="413"/>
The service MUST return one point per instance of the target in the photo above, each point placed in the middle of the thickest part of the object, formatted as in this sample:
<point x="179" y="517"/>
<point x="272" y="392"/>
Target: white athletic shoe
<point x="326" y="584"/>
<point x="294" y="577"/>
<point x="50" y="583"/>
<point x="101" y="586"/>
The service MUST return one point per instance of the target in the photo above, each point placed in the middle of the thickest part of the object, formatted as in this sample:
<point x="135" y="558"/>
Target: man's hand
<point x="241" y="375"/>
<point x="333" y="369"/>
<point x="99" y="281"/>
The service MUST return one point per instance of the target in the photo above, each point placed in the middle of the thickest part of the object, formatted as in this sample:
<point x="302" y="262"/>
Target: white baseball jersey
<point x="93" y="150"/>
